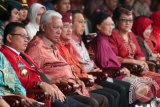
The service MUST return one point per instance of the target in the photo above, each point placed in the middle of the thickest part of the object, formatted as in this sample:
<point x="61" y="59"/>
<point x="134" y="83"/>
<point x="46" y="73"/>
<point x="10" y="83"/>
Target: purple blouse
<point x="104" y="55"/>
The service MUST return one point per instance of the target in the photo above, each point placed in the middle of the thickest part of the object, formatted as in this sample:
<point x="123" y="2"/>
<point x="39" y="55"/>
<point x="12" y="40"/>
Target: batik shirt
<point x="9" y="82"/>
<point x="82" y="54"/>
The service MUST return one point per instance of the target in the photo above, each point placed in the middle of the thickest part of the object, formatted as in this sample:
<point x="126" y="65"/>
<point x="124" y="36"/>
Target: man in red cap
<point x="66" y="49"/>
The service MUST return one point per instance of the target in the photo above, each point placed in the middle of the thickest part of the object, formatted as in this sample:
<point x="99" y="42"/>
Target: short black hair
<point x="9" y="29"/>
<point x="54" y="2"/>
<point x="74" y="12"/>
<point x="117" y="12"/>
<point x="98" y="18"/>
<point x="10" y="5"/>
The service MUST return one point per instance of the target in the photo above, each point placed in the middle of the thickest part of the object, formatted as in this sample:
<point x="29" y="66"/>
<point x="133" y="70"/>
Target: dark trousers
<point x="121" y="87"/>
<point x="69" y="102"/>
<point x="95" y="100"/>
<point x="112" y="95"/>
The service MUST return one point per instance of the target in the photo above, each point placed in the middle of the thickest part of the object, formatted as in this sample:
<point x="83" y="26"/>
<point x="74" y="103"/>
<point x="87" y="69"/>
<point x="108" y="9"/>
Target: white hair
<point x="48" y="15"/>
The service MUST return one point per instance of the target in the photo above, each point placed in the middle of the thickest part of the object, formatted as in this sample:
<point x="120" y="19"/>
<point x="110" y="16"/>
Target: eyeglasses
<point x="67" y="26"/>
<point x="126" y="20"/>
<point x="21" y="35"/>
<point x="112" y="25"/>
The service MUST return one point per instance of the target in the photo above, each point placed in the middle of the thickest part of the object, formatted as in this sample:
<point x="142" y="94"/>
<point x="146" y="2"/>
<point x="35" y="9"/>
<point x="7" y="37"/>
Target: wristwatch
<point x="39" y="83"/>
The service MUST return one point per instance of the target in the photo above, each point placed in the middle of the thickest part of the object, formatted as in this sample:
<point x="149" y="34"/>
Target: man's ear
<point x="55" y="6"/>
<point x="9" y="38"/>
<point x="98" y="27"/>
<point x="42" y="27"/>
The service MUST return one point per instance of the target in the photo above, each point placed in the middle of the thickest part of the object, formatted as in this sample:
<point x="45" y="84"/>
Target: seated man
<point x="15" y="40"/>
<point x="10" y="84"/>
<point x="44" y="52"/>
<point x="65" y="48"/>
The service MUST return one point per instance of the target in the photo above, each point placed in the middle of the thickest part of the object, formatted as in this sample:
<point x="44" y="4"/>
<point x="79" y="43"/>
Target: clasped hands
<point x="52" y="91"/>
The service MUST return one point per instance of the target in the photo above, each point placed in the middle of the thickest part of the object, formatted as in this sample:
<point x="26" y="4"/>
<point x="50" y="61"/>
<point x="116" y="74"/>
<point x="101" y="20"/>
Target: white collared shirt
<point x="14" y="50"/>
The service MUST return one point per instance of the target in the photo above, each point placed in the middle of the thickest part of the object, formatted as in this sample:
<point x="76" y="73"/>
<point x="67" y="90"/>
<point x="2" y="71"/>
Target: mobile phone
<point x="40" y="104"/>
<point x="92" y="34"/>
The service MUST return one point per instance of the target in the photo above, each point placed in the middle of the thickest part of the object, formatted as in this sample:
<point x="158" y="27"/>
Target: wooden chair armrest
<point x="151" y="65"/>
<point x="134" y="68"/>
<point x="37" y="93"/>
<point x="87" y="82"/>
<point x="67" y="88"/>
<point x="112" y="71"/>
<point x="13" y="100"/>
<point x="100" y="76"/>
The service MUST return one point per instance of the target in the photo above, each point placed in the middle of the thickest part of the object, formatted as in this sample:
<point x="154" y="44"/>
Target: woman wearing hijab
<point x="35" y="12"/>
<point x="142" y="27"/>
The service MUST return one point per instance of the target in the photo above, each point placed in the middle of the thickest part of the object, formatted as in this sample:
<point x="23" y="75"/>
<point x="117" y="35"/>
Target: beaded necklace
<point x="130" y="46"/>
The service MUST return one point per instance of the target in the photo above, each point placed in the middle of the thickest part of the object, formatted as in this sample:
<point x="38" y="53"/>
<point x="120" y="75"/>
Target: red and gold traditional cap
<point x="67" y="17"/>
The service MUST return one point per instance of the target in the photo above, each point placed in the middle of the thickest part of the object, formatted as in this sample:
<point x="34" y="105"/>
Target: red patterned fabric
<point x="128" y="50"/>
<point x="152" y="43"/>
<point x="67" y="54"/>
<point x="145" y="89"/>
<point x="156" y="31"/>
<point x="155" y="77"/>
<point x="67" y="17"/>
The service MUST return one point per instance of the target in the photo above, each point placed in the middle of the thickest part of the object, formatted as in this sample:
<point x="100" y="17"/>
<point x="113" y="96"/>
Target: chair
<point x="152" y="65"/>
<point x="67" y="88"/>
<point x="137" y="69"/>
<point x="134" y="68"/>
<point x="13" y="100"/>
<point x="99" y="77"/>
<point x="39" y="95"/>
<point x="112" y="71"/>
<point x="87" y="82"/>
